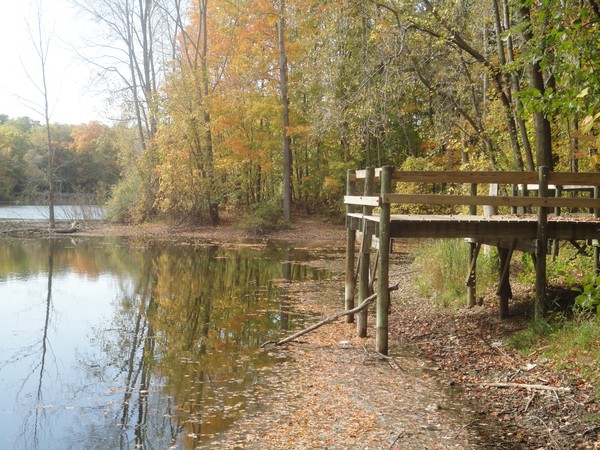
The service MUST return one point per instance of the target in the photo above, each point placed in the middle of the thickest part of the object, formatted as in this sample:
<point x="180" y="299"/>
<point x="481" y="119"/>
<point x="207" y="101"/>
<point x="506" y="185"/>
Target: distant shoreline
<point x="304" y="230"/>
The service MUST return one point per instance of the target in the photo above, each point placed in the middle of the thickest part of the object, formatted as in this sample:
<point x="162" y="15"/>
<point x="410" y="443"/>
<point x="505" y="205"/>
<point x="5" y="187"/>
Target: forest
<point x="228" y="105"/>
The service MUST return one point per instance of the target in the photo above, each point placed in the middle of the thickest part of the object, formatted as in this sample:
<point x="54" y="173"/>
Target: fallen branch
<point x="366" y="302"/>
<point x="541" y="387"/>
<point x="74" y="228"/>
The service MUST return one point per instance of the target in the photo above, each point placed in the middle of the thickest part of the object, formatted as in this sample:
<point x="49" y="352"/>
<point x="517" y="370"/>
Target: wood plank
<point x="453" y="229"/>
<point x="360" y="175"/>
<point x="512" y="177"/>
<point x="362" y="200"/>
<point x="441" y="199"/>
<point x="465" y="177"/>
<point x="578" y="178"/>
<point x="495" y="228"/>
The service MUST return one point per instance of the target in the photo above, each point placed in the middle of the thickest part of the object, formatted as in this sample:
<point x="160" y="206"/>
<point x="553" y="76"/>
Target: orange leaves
<point x="85" y="136"/>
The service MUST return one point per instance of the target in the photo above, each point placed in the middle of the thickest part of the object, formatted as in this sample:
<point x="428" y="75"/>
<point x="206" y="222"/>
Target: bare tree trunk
<point x="41" y="44"/>
<point x="285" y="115"/>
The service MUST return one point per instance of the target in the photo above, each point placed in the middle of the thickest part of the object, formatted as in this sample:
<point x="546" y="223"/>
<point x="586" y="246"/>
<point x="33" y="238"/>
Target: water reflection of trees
<point x="186" y="350"/>
<point x="35" y="424"/>
<point x="178" y="363"/>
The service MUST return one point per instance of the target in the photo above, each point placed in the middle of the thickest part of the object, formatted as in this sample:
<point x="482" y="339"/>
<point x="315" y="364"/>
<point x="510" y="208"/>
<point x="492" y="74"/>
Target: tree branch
<point x="366" y="302"/>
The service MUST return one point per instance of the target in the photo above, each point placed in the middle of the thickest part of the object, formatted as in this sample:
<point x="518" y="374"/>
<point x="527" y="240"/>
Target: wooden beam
<point x="514" y="177"/>
<point x="361" y="200"/>
<point x="444" y="199"/>
<point x="574" y="178"/>
<point x="465" y="177"/>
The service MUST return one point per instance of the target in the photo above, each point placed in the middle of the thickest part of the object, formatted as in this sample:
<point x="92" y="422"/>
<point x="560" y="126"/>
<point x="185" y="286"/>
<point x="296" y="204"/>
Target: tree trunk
<point x="285" y="115"/>
<point x="541" y="124"/>
<point x="514" y="81"/>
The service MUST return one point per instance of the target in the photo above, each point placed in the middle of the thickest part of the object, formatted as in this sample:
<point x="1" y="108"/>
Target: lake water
<point x="62" y="212"/>
<point x="115" y="344"/>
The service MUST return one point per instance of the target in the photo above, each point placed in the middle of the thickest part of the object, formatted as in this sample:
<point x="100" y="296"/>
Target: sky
<point x="72" y="97"/>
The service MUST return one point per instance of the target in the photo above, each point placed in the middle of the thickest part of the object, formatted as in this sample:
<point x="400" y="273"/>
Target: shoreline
<point x="303" y="230"/>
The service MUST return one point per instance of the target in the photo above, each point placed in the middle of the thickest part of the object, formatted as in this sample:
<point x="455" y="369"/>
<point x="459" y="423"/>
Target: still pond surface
<point x="114" y="344"/>
<point x="61" y="212"/>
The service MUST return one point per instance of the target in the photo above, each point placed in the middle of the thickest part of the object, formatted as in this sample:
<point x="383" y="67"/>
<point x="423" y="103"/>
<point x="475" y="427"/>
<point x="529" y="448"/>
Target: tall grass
<point x="570" y="335"/>
<point x="443" y="266"/>
<point x="572" y="343"/>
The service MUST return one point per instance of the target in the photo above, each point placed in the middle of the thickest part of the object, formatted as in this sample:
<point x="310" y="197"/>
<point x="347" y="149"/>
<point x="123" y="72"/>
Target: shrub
<point x="264" y="218"/>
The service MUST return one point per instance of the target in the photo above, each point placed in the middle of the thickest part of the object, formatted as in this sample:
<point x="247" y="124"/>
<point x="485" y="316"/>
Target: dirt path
<point x="336" y="393"/>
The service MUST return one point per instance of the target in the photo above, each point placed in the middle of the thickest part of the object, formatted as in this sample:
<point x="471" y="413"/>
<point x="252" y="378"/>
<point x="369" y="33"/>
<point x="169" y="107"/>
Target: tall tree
<point x="285" y="112"/>
<point x="41" y="39"/>
<point x="131" y="56"/>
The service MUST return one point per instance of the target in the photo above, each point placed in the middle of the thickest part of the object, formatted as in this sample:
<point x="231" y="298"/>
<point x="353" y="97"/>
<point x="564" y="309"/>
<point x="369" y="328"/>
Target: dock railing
<point x="548" y="185"/>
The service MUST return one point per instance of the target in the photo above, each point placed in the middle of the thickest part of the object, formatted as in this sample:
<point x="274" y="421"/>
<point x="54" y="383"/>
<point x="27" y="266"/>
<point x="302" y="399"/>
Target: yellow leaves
<point x="331" y="186"/>
<point x="298" y="130"/>
<point x="588" y="133"/>
<point x="583" y="93"/>
<point x="589" y="122"/>
<point x="85" y="137"/>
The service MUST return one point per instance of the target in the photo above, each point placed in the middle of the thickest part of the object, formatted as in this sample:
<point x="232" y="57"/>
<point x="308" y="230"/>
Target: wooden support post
<point x="383" y="294"/>
<point x="365" y="257"/>
<point x="597" y="241"/>
<point x="473" y="252"/>
<point x="504" y="289"/>
<point x="350" y="253"/>
<point x="471" y="281"/>
<point x="541" y="247"/>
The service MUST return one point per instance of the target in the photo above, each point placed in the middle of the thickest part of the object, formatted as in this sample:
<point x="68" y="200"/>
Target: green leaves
<point x="589" y="297"/>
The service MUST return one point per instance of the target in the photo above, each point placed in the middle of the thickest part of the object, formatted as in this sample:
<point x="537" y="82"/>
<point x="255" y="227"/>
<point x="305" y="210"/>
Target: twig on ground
<point x="465" y="427"/>
<point x="333" y="318"/>
<point x="397" y="439"/>
<point x="529" y="401"/>
<point x="540" y="387"/>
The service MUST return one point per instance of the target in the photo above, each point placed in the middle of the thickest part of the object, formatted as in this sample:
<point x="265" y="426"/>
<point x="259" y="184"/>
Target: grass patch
<point x="572" y="343"/>
<point x="443" y="265"/>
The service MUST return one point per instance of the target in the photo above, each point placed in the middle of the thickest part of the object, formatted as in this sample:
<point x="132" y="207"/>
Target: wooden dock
<point x="531" y="219"/>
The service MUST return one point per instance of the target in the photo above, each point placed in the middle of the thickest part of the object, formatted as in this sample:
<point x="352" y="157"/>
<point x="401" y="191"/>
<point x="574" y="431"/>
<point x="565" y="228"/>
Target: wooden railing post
<point x="541" y="247"/>
<point x="350" y="252"/>
<point x="514" y="191"/>
<point x="383" y="294"/>
<point x="365" y="257"/>
<point x="473" y="252"/>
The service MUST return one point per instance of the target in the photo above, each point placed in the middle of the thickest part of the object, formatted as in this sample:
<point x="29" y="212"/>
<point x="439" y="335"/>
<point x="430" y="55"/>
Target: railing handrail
<point x="487" y="177"/>
<point x="578" y="180"/>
